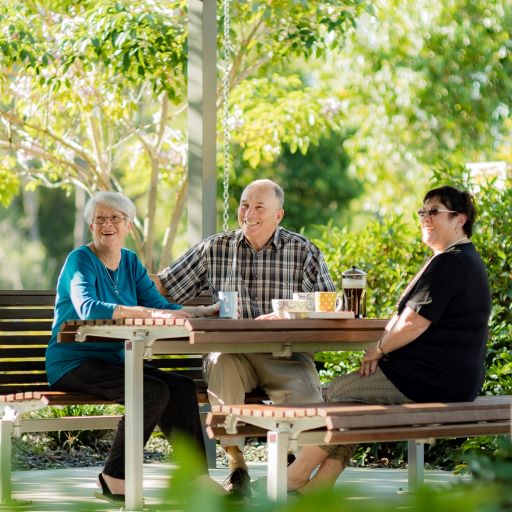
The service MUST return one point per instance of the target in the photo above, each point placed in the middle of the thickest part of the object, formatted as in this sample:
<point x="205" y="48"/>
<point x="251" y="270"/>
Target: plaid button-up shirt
<point x="226" y="262"/>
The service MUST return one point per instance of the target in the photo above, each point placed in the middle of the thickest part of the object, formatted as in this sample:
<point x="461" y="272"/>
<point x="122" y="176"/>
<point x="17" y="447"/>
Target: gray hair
<point x="114" y="200"/>
<point x="278" y="191"/>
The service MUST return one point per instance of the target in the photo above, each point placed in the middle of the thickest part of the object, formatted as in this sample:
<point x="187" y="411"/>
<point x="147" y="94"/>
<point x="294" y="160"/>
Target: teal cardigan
<point x="85" y="291"/>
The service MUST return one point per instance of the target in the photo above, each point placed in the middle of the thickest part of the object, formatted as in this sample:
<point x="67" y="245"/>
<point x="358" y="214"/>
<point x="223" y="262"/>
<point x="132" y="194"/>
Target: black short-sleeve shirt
<point x="446" y="362"/>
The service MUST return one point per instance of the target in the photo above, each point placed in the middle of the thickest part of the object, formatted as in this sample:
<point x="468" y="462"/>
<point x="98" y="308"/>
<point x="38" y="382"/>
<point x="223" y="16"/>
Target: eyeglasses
<point x="432" y="212"/>
<point x="114" y="219"/>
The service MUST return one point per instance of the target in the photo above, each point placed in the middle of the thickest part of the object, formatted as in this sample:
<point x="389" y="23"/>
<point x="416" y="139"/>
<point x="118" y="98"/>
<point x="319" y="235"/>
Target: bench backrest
<point x="26" y="318"/>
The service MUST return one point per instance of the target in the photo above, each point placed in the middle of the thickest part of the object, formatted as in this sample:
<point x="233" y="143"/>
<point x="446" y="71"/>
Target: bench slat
<point x="28" y="313"/>
<point x="25" y="378"/>
<point x="21" y="366"/>
<point x="27" y="297"/>
<point x="25" y="339"/>
<point x="23" y="326"/>
<point x="411" y="418"/>
<point x="105" y="422"/>
<point x="6" y="391"/>
<point x="192" y="364"/>
<point x="404" y="433"/>
<point x="26" y="353"/>
<point x="358" y="408"/>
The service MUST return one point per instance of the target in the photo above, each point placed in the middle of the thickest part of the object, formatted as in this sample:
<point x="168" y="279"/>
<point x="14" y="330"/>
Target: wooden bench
<point x="25" y="327"/>
<point x="290" y="426"/>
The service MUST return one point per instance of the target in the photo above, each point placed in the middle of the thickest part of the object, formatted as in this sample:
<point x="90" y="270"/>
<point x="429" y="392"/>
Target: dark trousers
<point x="170" y="402"/>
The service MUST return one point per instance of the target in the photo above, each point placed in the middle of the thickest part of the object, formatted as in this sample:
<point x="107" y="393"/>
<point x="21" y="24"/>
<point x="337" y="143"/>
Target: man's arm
<point x="159" y="286"/>
<point x="317" y="271"/>
<point x="187" y="277"/>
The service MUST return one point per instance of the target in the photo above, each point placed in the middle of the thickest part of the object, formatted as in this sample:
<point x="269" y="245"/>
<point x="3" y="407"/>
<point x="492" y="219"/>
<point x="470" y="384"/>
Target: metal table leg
<point x="277" y="446"/>
<point x="134" y="411"/>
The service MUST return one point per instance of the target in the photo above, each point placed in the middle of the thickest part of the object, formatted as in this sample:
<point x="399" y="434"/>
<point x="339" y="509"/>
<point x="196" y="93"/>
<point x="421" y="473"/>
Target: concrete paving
<point x="72" y="489"/>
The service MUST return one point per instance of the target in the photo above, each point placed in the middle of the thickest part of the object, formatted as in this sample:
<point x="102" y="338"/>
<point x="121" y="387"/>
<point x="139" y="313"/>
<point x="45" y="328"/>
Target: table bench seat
<point x="290" y="426"/>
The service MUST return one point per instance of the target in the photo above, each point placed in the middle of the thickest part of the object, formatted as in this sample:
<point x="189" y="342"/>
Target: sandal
<point x="106" y="494"/>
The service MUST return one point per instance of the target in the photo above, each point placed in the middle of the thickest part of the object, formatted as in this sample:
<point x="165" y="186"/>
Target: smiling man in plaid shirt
<point x="262" y="261"/>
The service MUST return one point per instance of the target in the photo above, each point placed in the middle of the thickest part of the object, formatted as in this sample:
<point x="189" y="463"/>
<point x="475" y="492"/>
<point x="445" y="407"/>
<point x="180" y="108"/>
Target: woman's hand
<point x="370" y="361"/>
<point x="269" y="316"/>
<point x="142" y="312"/>
<point x="169" y="313"/>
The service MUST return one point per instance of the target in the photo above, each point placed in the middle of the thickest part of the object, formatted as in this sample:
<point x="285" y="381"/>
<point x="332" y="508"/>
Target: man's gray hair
<point x="114" y="200"/>
<point x="279" y="192"/>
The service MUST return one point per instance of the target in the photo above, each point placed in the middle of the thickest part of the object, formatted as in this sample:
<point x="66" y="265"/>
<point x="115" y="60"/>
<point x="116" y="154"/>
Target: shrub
<point x="71" y="440"/>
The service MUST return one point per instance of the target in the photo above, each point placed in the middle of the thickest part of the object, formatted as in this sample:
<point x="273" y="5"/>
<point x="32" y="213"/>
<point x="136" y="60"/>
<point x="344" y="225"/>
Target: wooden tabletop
<point x="214" y="330"/>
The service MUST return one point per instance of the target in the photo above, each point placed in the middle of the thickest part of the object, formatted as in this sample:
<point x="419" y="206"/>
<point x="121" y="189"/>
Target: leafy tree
<point x="93" y="94"/>
<point x="426" y="82"/>
<point x="317" y="186"/>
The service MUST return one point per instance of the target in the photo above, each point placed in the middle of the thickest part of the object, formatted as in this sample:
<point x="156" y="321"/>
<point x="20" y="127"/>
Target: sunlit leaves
<point x="429" y="82"/>
<point x="281" y="110"/>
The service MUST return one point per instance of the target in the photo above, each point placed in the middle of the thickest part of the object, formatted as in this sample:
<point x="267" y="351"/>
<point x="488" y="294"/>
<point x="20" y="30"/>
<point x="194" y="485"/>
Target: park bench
<point x="290" y="426"/>
<point x="25" y="326"/>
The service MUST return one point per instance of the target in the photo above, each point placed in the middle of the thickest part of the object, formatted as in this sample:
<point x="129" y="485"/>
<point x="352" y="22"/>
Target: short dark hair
<point x="457" y="200"/>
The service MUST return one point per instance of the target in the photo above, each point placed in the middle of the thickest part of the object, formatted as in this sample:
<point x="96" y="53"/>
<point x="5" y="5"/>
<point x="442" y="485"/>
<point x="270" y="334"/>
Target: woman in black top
<point x="433" y="348"/>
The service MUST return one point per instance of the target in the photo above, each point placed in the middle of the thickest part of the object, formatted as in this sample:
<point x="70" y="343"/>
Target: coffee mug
<point x="282" y="306"/>
<point x="327" y="302"/>
<point x="228" y="304"/>
<point x="309" y="297"/>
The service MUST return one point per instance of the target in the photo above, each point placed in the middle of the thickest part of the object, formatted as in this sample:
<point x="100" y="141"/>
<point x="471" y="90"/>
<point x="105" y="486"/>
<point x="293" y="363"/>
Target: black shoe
<point x="238" y="484"/>
<point x="106" y="494"/>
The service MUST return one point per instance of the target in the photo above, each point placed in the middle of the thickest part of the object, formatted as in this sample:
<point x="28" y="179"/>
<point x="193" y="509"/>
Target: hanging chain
<point x="227" y="160"/>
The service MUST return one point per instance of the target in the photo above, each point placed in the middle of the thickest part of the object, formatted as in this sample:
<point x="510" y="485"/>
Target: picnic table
<point x="144" y="338"/>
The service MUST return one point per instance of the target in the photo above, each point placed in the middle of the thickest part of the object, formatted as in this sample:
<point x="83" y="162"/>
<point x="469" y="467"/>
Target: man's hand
<point x="204" y="311"/>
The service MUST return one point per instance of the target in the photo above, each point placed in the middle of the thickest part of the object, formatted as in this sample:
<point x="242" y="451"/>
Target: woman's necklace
<point x="457" y="242"/>
<point x="114" y="283"/>
<point x="111" y="279"/>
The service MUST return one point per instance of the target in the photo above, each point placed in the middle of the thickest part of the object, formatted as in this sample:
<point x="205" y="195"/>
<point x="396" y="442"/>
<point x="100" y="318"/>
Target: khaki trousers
<point x="285" y="379"/>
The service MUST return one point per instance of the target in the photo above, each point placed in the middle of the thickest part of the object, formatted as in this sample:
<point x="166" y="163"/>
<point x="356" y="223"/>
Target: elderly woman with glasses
<point x="433" y="348"/>
<point x="103" y="280"/>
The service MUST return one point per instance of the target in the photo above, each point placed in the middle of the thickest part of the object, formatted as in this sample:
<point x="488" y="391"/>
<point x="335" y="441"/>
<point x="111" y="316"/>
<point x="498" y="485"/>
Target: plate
<point x="332" y="314"/>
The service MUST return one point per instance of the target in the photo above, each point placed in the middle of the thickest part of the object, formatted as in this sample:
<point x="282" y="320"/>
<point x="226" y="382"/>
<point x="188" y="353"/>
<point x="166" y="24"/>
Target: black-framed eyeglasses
<point x="432" y="212"/>
<point x="114" y="219"/>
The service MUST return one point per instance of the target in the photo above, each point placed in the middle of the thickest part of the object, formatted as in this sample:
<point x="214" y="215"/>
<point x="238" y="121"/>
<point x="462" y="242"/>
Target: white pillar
<point x="202" y="119"/>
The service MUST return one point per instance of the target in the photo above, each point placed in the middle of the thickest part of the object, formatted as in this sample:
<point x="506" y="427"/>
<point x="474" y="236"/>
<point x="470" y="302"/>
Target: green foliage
<point x="9" y="185"/>
<point x="93" y="96"/>
<point x="71" y="440"/>
<point x="132" y="43"/>
<point x="317" y="185"/>
<point x="281" y="111"/>
<point x="426" y="82"/>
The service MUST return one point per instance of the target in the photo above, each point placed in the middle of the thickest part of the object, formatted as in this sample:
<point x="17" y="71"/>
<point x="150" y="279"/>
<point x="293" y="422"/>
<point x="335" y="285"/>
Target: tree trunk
<point x="174" y="221"/>
<point x="79" y="229"/>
